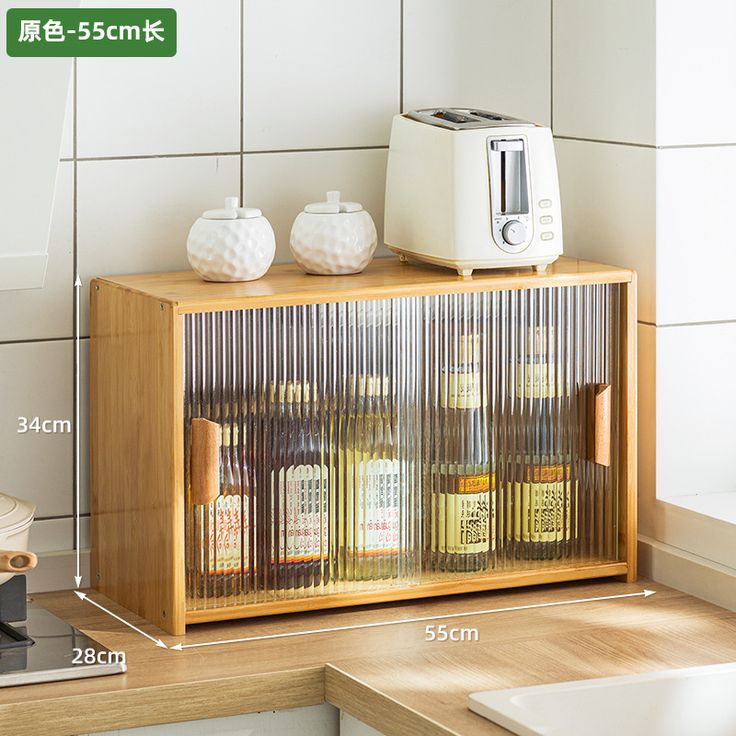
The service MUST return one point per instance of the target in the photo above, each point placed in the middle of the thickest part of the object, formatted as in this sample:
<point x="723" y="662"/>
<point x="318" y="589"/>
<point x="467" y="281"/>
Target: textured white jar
<point x="231" y="244"/>
<point x="333" y="237"/>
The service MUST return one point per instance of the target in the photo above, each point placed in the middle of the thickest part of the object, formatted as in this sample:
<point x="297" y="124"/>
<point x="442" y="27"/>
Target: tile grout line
<point x="652" y="146"/>
<point x="242" y="101"/>
<point x="256" y="152"/>
<point x="61" y="517"/>
<point x="34" y="340"/>
<point x="675" y="146"/>
<point x="702" y="323"/>
<point x="148" y="156"/>
<point x="551" y="64"/>
<point x="75" y="261"/>
<point x="401" y="56"/>
<point x="601" y="140"/>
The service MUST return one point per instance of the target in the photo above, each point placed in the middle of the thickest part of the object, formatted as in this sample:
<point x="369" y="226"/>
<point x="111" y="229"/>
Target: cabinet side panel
<point x="136" y="459"/>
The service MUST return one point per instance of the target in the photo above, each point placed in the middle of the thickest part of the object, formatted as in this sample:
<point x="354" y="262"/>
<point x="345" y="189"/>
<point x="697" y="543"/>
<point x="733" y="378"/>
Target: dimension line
<point x="77" y="418"/>
<point x="156" y="641"/>
<point x="642" y="594"/>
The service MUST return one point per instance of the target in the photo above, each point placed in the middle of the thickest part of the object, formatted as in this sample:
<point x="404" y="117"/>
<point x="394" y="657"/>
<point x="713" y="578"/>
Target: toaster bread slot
<point x="452" y="117"/>
<point x="511" y="182"/>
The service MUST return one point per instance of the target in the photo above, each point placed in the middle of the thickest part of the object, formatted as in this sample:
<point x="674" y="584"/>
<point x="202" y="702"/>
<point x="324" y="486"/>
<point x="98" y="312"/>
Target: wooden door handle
<point x="22" y="561"/>
<point x="205" y="461"/>
<point x="599" y="426"/>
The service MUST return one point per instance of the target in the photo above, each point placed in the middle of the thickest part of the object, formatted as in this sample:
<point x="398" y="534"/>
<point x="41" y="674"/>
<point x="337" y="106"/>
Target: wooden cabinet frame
<point x="137" y="433"/>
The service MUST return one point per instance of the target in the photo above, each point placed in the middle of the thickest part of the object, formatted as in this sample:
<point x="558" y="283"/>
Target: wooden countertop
<point x="389" y="677"/>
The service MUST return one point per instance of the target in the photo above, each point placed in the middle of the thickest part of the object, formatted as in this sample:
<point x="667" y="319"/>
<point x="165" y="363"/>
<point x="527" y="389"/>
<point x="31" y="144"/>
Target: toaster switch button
<point x="545" y="203"/>
<point x="547" y="236"/>
<point x="545" y="219"/>
<point x="514" y="232"/>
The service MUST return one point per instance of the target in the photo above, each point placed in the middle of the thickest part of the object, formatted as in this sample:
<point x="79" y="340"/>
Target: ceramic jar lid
<point x="333" y="206"/>
<point x="231" y="211"/>
<point x="15" y="514"/>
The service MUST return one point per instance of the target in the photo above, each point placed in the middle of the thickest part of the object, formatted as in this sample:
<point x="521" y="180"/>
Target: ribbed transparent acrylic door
<point x="392" y="442"/>
<point x="553" y="348"/>
<point x="317" y="412"/>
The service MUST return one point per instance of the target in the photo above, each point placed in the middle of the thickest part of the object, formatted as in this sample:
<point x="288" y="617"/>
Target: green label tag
<point x="90" y="32"/>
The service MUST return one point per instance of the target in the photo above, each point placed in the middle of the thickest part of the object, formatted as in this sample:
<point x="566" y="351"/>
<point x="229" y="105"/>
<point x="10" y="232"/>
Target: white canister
<point x="16" y="517"/>
<point x="231" y="244"/>
<point x="333" y="237"/>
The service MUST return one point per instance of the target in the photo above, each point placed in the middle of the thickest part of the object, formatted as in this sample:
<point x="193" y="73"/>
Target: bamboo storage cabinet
<point x="303" y="442"/>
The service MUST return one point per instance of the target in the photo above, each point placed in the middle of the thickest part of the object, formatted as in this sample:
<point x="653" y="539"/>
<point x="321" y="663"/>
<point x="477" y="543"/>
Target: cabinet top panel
<point x="385" y="278"/>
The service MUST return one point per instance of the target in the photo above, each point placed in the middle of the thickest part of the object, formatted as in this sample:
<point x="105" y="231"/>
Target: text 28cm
<point x="92" y="656"/>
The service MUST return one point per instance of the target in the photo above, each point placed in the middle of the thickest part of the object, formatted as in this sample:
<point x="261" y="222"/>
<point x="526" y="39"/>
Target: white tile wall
<point x="189" y="103"/>
<point x="608" y="199"/>
<point x="604" y="69"/>
<point x="36" y="380"/>
<point x="350" y="726"/>
<point x="282" y="183"/>
<point x="655" y="77"/>
<point x="320" y="73"/>
<point x="50" y="535"/>
<point x="317" y="75"/>
<point x="47" y="313"/>
<point x="84" y="531"/>
<point x="696" y="257"/>
<point x="84" y="489"/>
<point x="492" y="54"/>
<point x="134" y="215"/>
<point x="696" y="58"/>
<point x="647" y="398"/>
<point x="67" y="137"/>
<point x="696" y="405"/>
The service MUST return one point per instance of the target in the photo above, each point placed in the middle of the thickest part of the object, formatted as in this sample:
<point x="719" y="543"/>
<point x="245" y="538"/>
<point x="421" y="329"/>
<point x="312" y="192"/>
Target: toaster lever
<point x="504" y="146"/>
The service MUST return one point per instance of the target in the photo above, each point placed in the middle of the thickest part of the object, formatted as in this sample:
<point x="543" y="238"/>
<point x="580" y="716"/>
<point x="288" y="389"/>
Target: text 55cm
<point x="441" y="632"/>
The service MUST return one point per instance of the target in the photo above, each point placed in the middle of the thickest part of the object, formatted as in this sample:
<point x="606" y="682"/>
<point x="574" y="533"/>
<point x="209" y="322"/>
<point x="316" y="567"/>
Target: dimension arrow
<point x="85" y="597"/>
<point x="642" y="594"/>
<point x="77" y="418"/>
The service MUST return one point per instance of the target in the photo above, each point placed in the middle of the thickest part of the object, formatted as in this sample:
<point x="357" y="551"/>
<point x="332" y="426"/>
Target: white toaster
<point x="472" y="189"/>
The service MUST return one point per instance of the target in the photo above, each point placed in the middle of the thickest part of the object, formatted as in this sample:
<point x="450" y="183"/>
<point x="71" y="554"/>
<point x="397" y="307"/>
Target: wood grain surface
<point x="389" y="676"/>
<point x="137" y="453"/>
<point x="137" y="427"/>
<point x="286" y="284"/>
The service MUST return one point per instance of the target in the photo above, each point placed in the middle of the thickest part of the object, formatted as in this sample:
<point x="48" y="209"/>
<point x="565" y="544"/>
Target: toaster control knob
<point x="514" y="232"/>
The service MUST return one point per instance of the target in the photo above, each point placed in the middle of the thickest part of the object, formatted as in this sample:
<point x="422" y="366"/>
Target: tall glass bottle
<point x="463" y="486"/>
<point x="541" y="490"/>
<point x="299" y="492"/>
<point x="225" y="530"/>
<point x="371" y="485"/>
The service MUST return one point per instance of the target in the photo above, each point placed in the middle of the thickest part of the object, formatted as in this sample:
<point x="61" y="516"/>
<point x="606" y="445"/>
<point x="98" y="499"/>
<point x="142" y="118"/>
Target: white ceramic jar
<point x="16" y="517"/>
<point x="231" y="244"/>
<point x="333" y="237"/>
